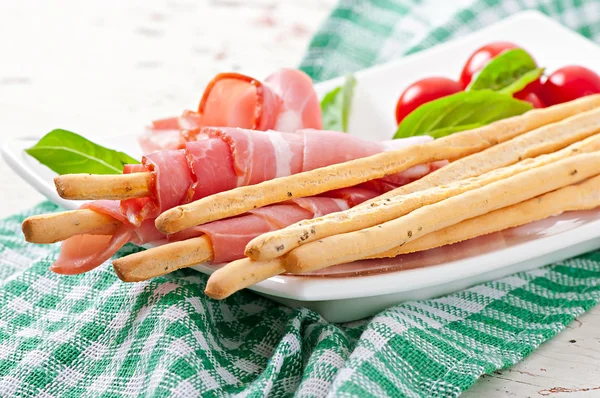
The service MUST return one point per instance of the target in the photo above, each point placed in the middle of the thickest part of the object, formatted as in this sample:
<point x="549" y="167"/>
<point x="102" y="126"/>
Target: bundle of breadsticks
<point x="511" y="172"/>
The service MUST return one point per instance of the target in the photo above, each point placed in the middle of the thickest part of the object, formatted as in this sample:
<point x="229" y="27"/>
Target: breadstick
<point x="367" y="242"/>
<point x="94" y="186"/>
<point x="277" y="243"/>
<point x="239" y="200"/>
<point x="164" y="259"/>
<point x="582" y="196"/>
<point x="240" y="274"/>
<point x="585" y="195"/>
<point x="545" y="139"/>
<point x="55" y="227"/>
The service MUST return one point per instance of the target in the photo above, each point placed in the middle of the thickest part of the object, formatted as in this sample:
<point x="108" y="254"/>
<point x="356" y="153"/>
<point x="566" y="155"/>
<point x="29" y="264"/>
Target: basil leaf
<point x="65" y="152"/>
<point x="523" y="81"/>
<point x="509" y="72"/>
<point x="446" y="115"/>
<point x="336" y="105"/>
<point x="125" y="158"/>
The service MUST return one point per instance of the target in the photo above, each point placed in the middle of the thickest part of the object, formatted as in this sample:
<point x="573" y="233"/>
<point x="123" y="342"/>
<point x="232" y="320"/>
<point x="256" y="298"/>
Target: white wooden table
<point x="108" y="66"/>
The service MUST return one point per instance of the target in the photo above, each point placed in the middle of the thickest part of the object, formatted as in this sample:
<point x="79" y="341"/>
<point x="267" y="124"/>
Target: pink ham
<point x="212" y="164"/>
<point x="300" y="107"/>
<point x="225" y="158"/>
<point x="229" y="237"/>
<point x="222" y="159"/>
<point x="161" y="134"/>
<point x="286" y="101"/>
<point x="258" y="156"/>
<point x="236" y="100"/>
<point x="80" y="253"/>
<point x="172" y="178"/>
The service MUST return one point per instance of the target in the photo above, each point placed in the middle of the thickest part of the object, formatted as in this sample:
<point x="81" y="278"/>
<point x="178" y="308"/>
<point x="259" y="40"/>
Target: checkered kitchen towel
<point x="91" y="335"/>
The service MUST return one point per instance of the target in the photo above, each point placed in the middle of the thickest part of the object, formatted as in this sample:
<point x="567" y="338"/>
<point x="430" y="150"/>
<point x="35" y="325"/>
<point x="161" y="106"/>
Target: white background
<point x="106" y="67"/>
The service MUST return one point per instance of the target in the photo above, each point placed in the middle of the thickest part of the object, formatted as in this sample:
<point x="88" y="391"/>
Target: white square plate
<point x="350" y="292"/>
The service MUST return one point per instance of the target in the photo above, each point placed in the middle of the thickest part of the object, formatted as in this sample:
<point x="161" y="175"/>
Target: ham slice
<point x="300" y="107"/>
<point x="79" y="252"/>
<point x="221" y="159"/>
<point x="161" y="134"/>
<point x="286" y="101"/>
<point x="229" y="237"/>
<point x="236" y="100"/>
<point x="172" y="178"/>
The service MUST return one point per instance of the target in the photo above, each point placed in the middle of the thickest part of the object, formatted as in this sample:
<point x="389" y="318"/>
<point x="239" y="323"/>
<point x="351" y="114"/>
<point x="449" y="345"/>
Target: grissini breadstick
<point x="277" y="243"/>
<point x="149" y="264"/>
<point x="239" y="200"/>
<point x="370" y="241"/>
<point x="582" y="196"/>
<point x="162" y="260"/>
<point x="546" y="139"/>
<point x="585" y="195"/>
<point x="94" y="186"/>
<point x="55" y="227"/>
<point x="240" y="274"/>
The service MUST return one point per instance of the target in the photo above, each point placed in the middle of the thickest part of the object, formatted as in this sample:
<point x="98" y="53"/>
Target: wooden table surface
<point x="109" y="67"/>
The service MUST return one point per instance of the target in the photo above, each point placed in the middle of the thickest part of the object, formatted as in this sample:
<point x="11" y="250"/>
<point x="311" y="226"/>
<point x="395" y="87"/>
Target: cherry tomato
<point x="423" y="91"/>
<point x="480" y="58"/>
<point x="533" y="87"/>
<point x="531" y="97"/>
<point x="569" y="83"/>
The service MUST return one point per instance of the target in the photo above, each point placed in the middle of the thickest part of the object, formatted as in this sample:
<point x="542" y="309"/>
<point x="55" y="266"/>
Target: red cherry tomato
<point x="423" y="91"/>
<point x="569" y="83"/>
<point x="485" y="54"/>
<point x="531" y="97"/>
<point x="533" y="87"/>
<point x="480" y="58"/>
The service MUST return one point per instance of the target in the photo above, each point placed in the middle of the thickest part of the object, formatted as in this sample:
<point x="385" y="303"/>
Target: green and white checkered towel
<point x="91" y="335"/>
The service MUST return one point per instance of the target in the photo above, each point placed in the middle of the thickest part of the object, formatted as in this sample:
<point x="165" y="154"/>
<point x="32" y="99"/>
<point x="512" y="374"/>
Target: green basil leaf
<point x="125" y="158"/>
<point x="509" y="72"/>
<point x="65" y="152"/>
<point x="466" y="108"/>
<point x="523" y="81"/>
<point x="336" y="105"/>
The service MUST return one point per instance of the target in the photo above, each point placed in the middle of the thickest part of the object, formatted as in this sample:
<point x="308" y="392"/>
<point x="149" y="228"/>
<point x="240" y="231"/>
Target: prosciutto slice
<point x="228" y="237"/>
<point x="162" y="134"/>
<point x="286" y="101"/>
<point x="221" y="159"/>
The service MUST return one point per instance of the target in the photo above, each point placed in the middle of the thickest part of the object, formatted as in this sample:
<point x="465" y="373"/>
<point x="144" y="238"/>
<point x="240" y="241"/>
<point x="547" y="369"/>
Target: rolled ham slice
<point x="286" y="101"/>
<point x="162" y="134"/>
<point x="221" y="159"/>
<point x="229" y="237"/>
<point x="299" y="107"/>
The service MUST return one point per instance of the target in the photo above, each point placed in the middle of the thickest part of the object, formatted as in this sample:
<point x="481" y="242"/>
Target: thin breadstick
<point x="277" y="243"/>
<point x="546" y="139"/>
<point x="240" y="274"/>
<point x="367" y="242"/>
<point x="585" y="195"/>
<point x="582" y="196"/>
<point x="55" y="227"/>
<point x="164" y="259"/>
<point x="94" y="186"/>
<point x="239" y="200"/>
